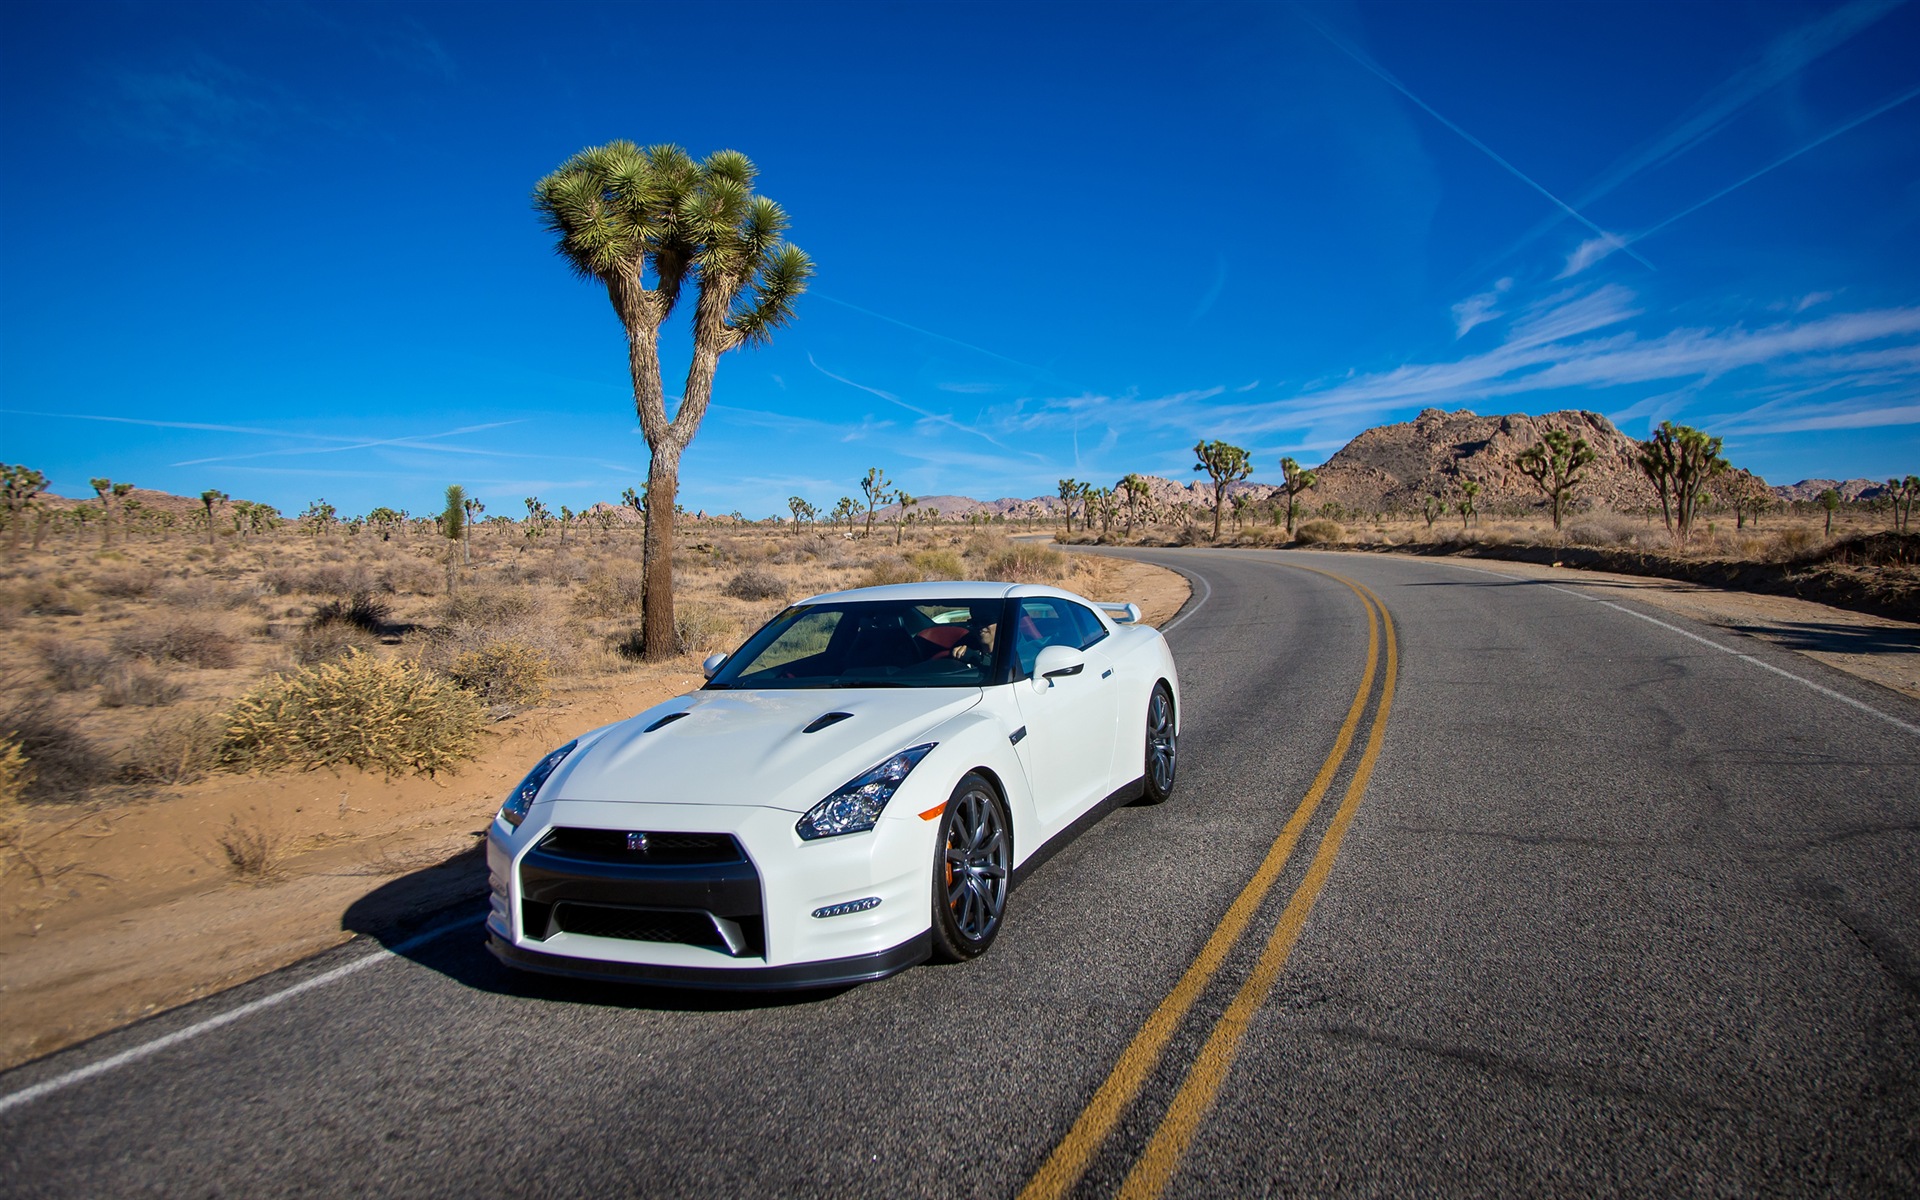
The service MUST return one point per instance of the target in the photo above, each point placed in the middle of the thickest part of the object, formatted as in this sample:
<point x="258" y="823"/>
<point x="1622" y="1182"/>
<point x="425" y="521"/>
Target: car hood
<point x="750" y="747"/>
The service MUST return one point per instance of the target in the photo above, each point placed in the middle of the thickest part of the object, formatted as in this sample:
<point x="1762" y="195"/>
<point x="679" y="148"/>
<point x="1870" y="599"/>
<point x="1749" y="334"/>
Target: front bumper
<point x="743" y="923"/>
<point x="833" y="972"/>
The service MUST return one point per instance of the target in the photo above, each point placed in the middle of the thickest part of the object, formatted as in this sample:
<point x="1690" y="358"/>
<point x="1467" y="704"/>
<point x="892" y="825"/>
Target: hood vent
<point x="669" y="719"/>
<point x="824" y="720"/>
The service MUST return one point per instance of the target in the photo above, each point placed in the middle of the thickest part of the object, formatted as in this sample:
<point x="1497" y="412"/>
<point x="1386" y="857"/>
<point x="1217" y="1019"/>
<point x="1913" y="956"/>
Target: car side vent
<point x="824" y="720"/>
<point x="669" y="719"/>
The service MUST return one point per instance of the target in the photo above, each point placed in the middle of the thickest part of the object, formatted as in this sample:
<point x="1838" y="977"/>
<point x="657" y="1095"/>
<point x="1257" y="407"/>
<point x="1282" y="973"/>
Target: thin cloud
<point x="411" y="441"/>
<point x="1213" y="292"/>
<point x="929" y="333"/>
<point x="1387" y="77"/>
<point x="923" y="414"/>
<point x="1479" y="309"/>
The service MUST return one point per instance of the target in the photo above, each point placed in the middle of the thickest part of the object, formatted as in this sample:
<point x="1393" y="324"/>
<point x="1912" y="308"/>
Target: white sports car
<point x="856" y="789"/>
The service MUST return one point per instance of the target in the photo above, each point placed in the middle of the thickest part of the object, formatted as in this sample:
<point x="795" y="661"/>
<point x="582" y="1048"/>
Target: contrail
<point x="930" y="333"/>
<point x="1387" y="78"/>
<point x="1783" y="160"/>
<point x="940" y="418"/>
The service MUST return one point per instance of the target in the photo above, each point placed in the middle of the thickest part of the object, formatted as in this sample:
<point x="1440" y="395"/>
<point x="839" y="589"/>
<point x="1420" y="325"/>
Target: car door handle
<point x="1107" y="674"/>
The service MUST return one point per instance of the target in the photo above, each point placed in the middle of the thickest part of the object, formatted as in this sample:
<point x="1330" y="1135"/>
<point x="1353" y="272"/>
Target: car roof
<point x="949" y="590"/>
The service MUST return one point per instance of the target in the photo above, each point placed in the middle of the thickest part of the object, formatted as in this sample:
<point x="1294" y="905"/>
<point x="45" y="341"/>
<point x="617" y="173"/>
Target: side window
<point x="1042" y="622"/>
<point x="1091" y="630"/>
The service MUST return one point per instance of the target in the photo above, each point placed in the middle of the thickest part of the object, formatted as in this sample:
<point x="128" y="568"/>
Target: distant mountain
<point x="1850" y="489"/>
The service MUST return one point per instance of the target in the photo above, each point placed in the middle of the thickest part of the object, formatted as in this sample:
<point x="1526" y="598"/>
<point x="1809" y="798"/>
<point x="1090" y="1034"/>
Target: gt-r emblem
<point x="637" y="842"/>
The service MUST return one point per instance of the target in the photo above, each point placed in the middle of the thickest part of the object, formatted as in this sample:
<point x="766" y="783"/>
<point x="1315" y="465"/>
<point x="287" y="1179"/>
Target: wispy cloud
<point x="1387" y="77"/>
<point x="1213" y="291"/>
<point x="1784" y="59"/>
<point x="924" y="414"/>
<point x="1479" y="309"/>
<point x="421" y="441"/>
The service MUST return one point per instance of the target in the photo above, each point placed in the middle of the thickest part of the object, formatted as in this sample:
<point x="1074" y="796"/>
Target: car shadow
<point x="397" y="913"/>
<point x="1835" y="638"/>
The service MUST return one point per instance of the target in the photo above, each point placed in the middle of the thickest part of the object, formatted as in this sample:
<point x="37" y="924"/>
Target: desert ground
<point x="146" y="865"/>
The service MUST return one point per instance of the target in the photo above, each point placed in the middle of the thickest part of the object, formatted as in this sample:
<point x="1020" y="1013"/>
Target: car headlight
<point x="856" y="806"/>
<point x="520" y="799"/>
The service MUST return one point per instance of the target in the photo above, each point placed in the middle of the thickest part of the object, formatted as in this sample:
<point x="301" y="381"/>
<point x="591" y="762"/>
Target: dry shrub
<point x="65" y="763"/>
<point x="253" y="850"/>
<point x="71" y="666"/>
<point x="813" y="547"/>
<point x="1604" y="530"/>
<point x="1319" y="532"/>
<point x="610" y="590"/>
<point x="490" y="606"/>
<point x="326" y="579"/>
<point x="938" y="564"/>
<point x="891" y="570"/>
<point x="361" y="712"/>
<point x="203" y="593"/>
<point x="412" y="576"/>
<point x="174" y="750"/>
<point x="756" y="584"/>
<point x="325" y="643"/>
<point x="361" y="610"/>
<point x="128" y="584"/>
<point x="698" y="627"/>
<point x="133" y="685"/>
<point x="509" y="675"/>
<point x="15" y="774"/>
<point x="1795" y="541"/>
<point x="1026" y="562"/>
<point x="183" y="641"/>
<point x="46" y="597"/>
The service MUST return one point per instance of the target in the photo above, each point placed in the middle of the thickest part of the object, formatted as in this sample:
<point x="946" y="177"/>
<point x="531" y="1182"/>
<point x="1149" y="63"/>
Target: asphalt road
<point x="1618" y="911"/>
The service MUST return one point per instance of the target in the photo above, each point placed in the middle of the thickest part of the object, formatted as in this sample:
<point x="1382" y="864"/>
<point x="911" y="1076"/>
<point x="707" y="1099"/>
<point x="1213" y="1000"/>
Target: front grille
<point x="637" y="924"/>
<point x="665" y="849"/>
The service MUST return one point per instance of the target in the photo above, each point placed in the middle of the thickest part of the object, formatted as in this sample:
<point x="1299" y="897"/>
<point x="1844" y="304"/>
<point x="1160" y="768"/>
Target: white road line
<point x="1842" y="697"/>
<point x="1205" y="595"/>
<point x="47" y="1087"/>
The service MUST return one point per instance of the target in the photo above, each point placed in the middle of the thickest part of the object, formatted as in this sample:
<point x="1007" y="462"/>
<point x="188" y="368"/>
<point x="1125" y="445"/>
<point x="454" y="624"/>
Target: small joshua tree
<point x="900" y="515"/>
<point x="18" y="486"/>
<point x="1295" y="482"/>
<point x="212" y="499"/>
<point x="1554" y="464"/>
<point x="875" y="485"/>
<point x="1468" y="490"/>
<point x="801" y="512"/>
<point x="1137" y="492"/>
<point x="1224" y="463"/>
<point x="1433" y="508"/>
<point x="1680" y="460"/>
<point x="1069" y="492"/>
<point x="1829" y="500"/>
<point x="453" y="527"/>
<point x="1903" y="501"/>
<point x="472" y="509"/>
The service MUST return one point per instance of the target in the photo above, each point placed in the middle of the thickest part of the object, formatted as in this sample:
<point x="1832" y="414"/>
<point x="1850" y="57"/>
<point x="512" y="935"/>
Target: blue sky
<point x="286" y="250"/>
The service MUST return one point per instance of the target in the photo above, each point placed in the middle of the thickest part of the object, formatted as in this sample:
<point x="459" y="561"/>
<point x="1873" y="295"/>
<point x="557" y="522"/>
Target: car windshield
<point x="870" y="643"/>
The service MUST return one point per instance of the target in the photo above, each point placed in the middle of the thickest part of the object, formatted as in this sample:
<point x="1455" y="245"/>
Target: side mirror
<point x="1056" y="662"/>
<point x="712" y="663"/>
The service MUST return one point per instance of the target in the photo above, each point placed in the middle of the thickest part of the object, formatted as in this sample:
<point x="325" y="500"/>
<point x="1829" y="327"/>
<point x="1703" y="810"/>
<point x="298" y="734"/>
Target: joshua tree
<point x="1433" y="507"/>
<point x="1554" y="464"/>
<point x="1069" y="492"/>
<point x="900" y="516"/>
<point x="1680" y="460"/>
<point x="538" y="518"/>
<point x="621" y="215"/>
<point x="1137" y="492"/>
<point x="1829" y="500"/>
<point x="318" y="517"/>
<point x="1224" y="464"/>
<point x="875" y="486"/>
<point x="566" y="519"/>
<point x="112" y="495"/>
<point x="801" y="512"/>
<point x="1468" y="490"/>
<point x="384" y="520"/>
<point x="1903" y="501"/>
<point x="471" y="508"/>
<point x="18" y="486"/>
<point x="1296" y="482"/>
<point x="211" y="499"/>
<point x="453" y="527"/>
<point x="1751" y="496"/>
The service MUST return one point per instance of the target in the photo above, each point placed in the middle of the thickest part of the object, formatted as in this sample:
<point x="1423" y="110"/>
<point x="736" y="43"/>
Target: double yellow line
<point x="1204" y="1078"/>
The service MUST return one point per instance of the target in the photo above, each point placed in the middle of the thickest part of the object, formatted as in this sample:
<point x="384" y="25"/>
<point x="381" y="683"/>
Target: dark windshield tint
<point x="872" y="643"/>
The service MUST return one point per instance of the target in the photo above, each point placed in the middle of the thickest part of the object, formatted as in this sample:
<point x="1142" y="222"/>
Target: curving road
<point x="1487" y="887"/>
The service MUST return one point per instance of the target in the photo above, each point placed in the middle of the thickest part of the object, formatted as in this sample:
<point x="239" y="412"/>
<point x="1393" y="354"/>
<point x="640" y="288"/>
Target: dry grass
<point x="254" y="850"/>
<point x="380" y="714"/>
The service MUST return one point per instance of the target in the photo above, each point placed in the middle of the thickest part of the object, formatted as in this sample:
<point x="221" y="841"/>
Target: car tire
<point x="1163" y="747"/>
<point x="972" y="871"/>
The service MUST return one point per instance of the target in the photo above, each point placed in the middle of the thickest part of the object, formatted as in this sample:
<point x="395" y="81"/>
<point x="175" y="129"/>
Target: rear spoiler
<point x="1122" y="614"/>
